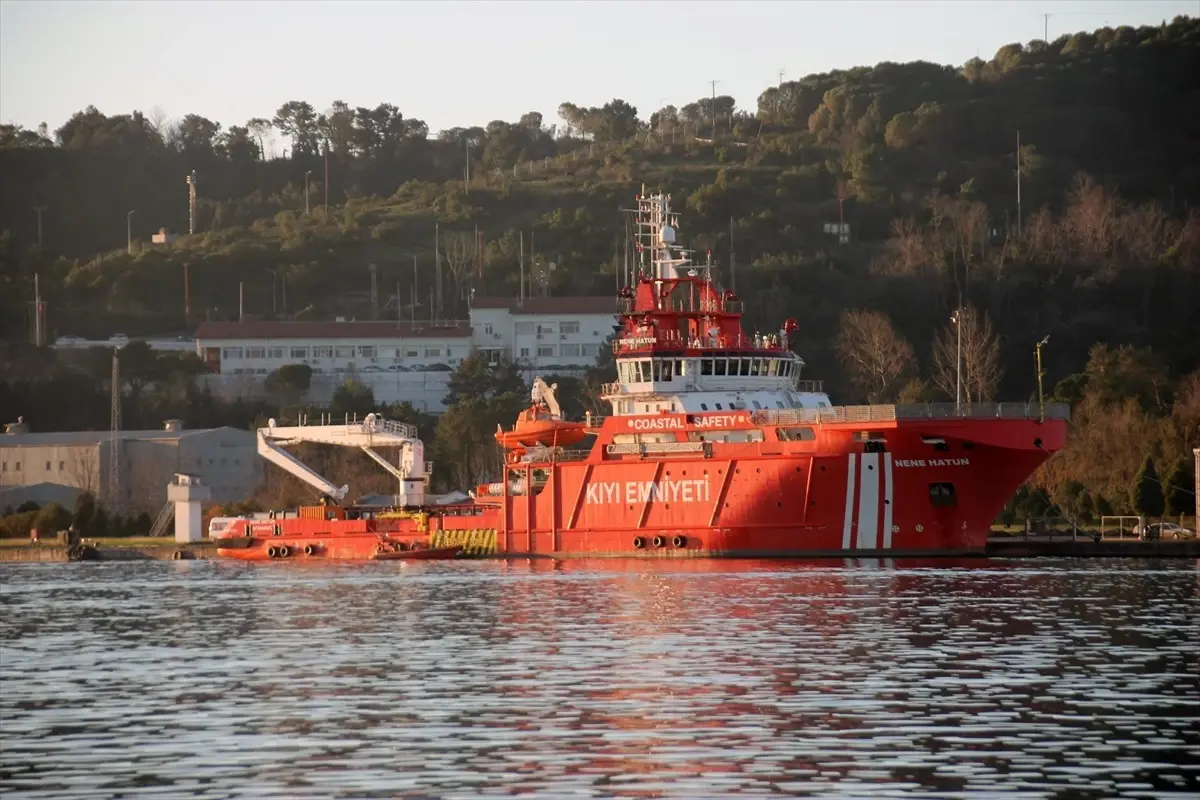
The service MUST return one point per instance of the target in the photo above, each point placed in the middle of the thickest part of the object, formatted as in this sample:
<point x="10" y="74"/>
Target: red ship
<point x="715" y="447"/>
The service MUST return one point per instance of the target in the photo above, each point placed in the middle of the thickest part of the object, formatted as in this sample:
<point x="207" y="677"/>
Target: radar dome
<point x="667" y="234"/>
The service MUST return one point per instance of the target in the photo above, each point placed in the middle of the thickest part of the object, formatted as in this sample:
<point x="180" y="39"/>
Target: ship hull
<point x="921" y="489"/>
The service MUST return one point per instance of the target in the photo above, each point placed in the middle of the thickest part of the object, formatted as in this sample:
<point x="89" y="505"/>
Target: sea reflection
<point x="600" y="679"/>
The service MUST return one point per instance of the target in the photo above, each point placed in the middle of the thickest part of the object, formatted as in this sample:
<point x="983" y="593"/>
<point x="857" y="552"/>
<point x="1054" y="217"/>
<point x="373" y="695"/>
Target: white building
<point x="407" y="361"/>
<point x="548" y="335"/>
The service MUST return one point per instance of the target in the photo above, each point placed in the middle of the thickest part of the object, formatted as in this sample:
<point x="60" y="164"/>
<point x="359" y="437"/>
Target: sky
<point x="466" y="63"/>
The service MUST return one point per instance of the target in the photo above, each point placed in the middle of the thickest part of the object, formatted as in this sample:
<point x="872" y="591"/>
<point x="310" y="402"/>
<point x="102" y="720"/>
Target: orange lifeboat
<point x="536" y="427"/>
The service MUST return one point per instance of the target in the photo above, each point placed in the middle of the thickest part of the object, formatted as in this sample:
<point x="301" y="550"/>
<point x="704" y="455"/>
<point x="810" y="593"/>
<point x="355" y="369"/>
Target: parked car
<point x="1164" y="530"/>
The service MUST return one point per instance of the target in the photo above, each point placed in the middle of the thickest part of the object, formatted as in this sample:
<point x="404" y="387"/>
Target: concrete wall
<point x="225" y="459"/>
<point x="425" y="390"/>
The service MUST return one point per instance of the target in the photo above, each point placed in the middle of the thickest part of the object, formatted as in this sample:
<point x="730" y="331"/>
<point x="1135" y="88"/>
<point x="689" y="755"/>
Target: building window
<point x="524" y="352"/>
<point x="433" y="352"/>
<point x="570" y="350"/>
<point x="299" y="352"/>
<point x="569" y="327"/>
<point x="275" y="352"/>
<point x="322" y="352"/>
<point x="546" y="351"/>
<point x="47" y="466"/>
<point x="256" y="352"/>
<point x="232" y="352"/>
<point x="17" y="467"/>
<point x="590" y="350"/>
<point x="546" y="329"/>
<point x="523" y="328"/>
<point x="62" y="465"/>
<point x="366" y="351"/>
<point x="487" y="328"/>
<point x="345" y="351"/>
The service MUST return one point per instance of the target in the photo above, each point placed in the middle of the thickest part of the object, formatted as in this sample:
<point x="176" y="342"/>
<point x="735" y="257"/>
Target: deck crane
<point x="373" y="431"/>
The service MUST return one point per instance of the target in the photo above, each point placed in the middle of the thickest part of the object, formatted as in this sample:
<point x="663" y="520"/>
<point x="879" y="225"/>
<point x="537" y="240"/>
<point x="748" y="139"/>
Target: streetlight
<point x="956" y="320"/>
<point x="38" y="210"/>
<point x="129" y="231"/>
<point x="1041" y="398"/>
<point x="306" y="192"/>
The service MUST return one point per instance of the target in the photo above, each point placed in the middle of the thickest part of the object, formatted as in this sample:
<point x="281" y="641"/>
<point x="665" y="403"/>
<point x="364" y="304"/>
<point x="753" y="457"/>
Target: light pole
<point x="1041" y="398"/>
<point x="306" y="192"/>
<point x="956" y="320"/>
<point x="129" y="231"/>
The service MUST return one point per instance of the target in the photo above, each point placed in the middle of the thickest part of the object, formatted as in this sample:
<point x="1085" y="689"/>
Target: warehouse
<point x="60" y="465"/>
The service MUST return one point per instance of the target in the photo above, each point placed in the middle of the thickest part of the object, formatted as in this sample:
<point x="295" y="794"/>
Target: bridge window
<point x="798" y="434"/>
<point x="706" y="366"/>
<point x="720" y="365"/>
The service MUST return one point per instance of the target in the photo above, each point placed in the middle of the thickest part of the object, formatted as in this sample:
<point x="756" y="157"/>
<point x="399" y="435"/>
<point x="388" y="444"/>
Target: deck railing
<point x="892" y="413"/>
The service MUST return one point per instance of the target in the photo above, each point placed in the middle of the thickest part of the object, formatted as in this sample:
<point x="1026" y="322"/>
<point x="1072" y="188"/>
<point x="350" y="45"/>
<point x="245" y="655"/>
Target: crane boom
<point x="372" y="432"/>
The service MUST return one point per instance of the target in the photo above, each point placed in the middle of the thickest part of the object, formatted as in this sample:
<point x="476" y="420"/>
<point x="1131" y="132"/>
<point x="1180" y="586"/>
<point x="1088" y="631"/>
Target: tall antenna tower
<point x="191" y="182"/>
<point x="114" y="455"/>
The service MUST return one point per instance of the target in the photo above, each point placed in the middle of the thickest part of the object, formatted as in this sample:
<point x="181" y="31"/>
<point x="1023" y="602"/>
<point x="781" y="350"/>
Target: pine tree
<point x="1178" y="489"/>
<point x="1146" y="494"/>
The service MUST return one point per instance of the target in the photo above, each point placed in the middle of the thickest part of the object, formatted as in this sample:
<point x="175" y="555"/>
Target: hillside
<point x="919" y="159"/>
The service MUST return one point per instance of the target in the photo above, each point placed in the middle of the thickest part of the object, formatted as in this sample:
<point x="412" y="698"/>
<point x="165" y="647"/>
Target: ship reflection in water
<point x="600" y="679"/>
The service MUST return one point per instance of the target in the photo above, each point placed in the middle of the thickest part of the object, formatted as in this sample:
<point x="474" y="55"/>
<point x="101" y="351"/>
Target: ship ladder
<point x="163" y="520"/>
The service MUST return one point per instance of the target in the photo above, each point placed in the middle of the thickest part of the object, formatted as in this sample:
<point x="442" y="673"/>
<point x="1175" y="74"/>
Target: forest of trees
<point x="921" y="160"/>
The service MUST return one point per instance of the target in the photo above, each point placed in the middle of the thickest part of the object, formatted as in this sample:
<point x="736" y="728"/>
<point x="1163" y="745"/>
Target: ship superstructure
<point x="715" y="447"/>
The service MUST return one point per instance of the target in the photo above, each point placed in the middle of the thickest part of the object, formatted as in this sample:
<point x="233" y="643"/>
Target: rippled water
<point x="610" y="679"/>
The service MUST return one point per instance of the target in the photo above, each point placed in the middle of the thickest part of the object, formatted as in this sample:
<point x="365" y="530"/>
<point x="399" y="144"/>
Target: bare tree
<point x="159" y="120"/>
<point x="459" y="252"/>
<point x="876" y="358"/>
<point x="83" y="469"/>
<point x="981" y="368"/>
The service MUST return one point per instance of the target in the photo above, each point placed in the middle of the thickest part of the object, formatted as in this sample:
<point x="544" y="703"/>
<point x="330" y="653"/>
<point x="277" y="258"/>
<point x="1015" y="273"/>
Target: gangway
<point x="372" y="432"/>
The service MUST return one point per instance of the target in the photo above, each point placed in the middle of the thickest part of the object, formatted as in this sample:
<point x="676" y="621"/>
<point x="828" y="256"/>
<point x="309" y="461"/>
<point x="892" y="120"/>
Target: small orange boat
<point x="542" y="424"/>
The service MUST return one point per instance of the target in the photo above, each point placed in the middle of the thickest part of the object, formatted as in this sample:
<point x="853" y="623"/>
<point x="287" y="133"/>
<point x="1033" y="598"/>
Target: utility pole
<point x="437" y="266"/>
<point x="956" y="318"/>
<point x="241" y="301"/>
<point x="39" y="314"/>
<point x="714" y="111"/>
<point x="374" y="293"/>
<point x="732" y="269"/>
<point x="114" y="454"/>
<point x="414" y="291"/>
<point x="467" y="168"/>
<point x="129" y="231"/>
<point x="1041" y="397"/>
<point x="1018" y="183"/>
<point x="38" y="210"/>
<point x="187" y="297"/>
<point x="306" y="192"/>
<point x="191" y="182"/>
<point x="327" y="180"/>
<point x="521" y="267"/>
<point x="1046" y="28"/>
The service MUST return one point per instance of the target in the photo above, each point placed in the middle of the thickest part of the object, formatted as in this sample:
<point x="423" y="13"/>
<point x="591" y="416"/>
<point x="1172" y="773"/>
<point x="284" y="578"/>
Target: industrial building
<point x="406" y="361"/>
<point x="58" y="466"/>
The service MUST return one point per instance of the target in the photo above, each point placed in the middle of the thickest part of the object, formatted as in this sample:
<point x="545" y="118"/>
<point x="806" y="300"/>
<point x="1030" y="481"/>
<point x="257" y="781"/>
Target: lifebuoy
<point x="272" y="552"/>
<point x="380" y="549"/>
<point x="284" y="551"/>
<point x="679" y="541"/>
<point x="310" y="550"/>
<point x="638" y="543"/>
<point x="658" y="541"/>
<point x="177" y="555"/>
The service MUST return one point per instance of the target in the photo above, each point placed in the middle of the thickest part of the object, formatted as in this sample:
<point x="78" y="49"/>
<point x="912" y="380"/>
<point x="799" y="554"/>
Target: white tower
<point x="187" y="493"/>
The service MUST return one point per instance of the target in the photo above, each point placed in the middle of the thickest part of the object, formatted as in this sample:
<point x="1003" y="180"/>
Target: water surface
<point x="601" y="679"/>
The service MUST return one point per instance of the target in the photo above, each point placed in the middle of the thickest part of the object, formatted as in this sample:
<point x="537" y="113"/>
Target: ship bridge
<point x="681" y="346"/>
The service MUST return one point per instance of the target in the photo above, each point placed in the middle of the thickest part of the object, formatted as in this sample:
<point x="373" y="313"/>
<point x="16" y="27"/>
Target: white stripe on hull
<point x="868" y="502"/>
<point x="848" y="519"/>
<point x="888" y="501"/>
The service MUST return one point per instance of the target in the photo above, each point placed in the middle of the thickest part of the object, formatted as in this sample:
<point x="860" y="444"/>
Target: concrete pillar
<point x="187" y="492"/>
